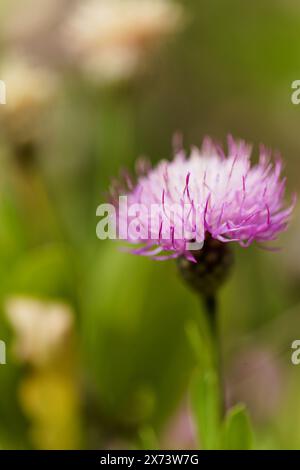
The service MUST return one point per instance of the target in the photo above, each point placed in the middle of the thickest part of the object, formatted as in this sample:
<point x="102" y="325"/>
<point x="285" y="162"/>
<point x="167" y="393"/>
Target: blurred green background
<point x="122" y="377"/>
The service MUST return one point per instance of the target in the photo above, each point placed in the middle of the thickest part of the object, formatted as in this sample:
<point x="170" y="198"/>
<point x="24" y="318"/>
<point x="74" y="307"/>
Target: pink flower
<point x="204" y="194"/>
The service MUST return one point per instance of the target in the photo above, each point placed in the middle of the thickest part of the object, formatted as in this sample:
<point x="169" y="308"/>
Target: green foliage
<point x="234" y="432"/>
<point x="46" y="271"/>
<point x="206" y="407"/>
<point x="237" y="432"/>
<point x="231" y="432"/>
<point x="140" y="333"/>
<point x="135" y="350"/>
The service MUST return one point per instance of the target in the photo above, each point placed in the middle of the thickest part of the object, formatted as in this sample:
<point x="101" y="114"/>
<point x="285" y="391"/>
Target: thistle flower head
<point x="207" y="195"/>
<point x="110" y="37"/>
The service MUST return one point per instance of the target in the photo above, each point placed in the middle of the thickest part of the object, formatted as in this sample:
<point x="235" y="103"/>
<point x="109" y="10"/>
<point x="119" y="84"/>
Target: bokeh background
<point x="98" y="350"/>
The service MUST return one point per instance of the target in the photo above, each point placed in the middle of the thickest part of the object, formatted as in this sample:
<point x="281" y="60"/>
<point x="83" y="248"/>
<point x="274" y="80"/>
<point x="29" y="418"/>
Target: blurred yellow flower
<point x="42" y="329"/>
<point x="108" y="38"/>
<point x="50" y="400"/>
<point x="29" y="91"/>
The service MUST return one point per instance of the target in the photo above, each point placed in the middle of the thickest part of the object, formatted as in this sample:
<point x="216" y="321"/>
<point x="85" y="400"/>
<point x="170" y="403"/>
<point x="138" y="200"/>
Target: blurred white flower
<point x="109" y="38"/>
<point x="29" y="91"/>
<point x="25" y="18"/>
<point x="31" y="27"/>
<point x="41" y="329"/>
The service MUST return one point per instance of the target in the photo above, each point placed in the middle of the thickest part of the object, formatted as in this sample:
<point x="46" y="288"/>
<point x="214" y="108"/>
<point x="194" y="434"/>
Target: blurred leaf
<point x="138" y="356"/>
<point x="12" y="424"/>
<point x="206" y="407"/>
<point x="237" y="433"/>
<point x="43" y="272"/>
<point x="148" y="438"/>
<point x="13" y="237"/>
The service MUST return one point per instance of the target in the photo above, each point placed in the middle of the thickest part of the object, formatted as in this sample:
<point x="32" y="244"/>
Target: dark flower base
<point x="213" y="266"/>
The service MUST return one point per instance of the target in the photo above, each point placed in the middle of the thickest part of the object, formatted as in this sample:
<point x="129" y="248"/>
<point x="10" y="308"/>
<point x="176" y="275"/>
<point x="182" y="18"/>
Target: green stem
<point x="211" y="306"/>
